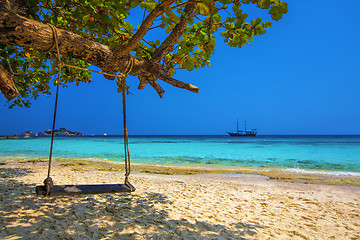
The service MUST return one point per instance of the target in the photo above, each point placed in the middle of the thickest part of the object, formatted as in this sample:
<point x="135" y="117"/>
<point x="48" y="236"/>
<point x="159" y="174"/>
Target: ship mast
<point x="245" y="125"/>
<point x="237" y="125"/>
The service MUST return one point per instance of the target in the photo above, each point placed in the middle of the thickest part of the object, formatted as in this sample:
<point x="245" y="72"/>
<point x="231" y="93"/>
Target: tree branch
<point x="144" y="27"/>
<point x="7" y="86"/>
<point x="16" y="6"/>
<point x="152" y="81"/>
<point x="179" y="84"/>
<point x="174" y="36"/>
<point x="20" y="31"/>
<point x="165" y="76"/>
<point x="143" y="82"/>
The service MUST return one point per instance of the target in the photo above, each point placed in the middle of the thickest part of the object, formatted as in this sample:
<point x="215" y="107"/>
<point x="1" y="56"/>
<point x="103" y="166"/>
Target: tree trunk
<point x="7" y="86"/>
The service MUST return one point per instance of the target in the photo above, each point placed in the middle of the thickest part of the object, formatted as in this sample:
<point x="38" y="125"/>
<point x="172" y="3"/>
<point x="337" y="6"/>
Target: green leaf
<point x="150" y="5"/>
<point x="217" y="17"/>
<point x="203" y="9"/>
<point x="128" y="26"/>
<point x="86" y="17"/>
<point x="172" y="72"/>
<point x="225" y="1"/>
<point x="266" y="4"/>
<point x="267" y="24"/>
<point x="230" y="19"/>
<point x="172" y="16"/>
<point x="238" y="23"/>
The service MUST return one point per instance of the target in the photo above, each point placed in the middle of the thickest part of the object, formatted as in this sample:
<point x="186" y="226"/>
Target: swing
<point x="49" y="189"/>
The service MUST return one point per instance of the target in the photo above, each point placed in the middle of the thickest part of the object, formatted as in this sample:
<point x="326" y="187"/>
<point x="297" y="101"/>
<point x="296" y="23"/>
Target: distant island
<point x="57" y="132"/>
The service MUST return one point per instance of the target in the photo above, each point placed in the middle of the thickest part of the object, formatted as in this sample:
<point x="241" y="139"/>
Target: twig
<point x="11" y="71"/>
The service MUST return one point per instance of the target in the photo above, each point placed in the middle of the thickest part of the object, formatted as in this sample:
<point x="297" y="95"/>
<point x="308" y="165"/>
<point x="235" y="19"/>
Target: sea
<point x="319" y="153"/>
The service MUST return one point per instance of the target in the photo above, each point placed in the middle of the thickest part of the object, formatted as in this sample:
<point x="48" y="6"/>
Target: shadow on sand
<point x="108" y="216"/>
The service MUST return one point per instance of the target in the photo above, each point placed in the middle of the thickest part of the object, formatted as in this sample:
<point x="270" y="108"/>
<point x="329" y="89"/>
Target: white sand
<point x="175" y="207"/>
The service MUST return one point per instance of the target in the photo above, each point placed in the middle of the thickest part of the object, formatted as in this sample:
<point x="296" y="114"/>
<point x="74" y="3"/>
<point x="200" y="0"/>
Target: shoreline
<point x="196" y="206"/>
<point x="307" y="176"/>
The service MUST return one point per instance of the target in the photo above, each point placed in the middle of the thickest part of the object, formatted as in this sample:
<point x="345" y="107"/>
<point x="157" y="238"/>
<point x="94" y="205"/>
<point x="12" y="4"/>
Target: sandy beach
<point x="202" y="206"/>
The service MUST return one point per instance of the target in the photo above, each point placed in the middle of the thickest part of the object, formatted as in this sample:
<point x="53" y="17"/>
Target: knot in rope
<point x="48" y="182"/>
<point x="121" y="77"/>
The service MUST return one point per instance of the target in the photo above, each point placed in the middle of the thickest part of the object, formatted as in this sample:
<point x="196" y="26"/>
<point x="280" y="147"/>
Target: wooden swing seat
<point x="66" y="190"/>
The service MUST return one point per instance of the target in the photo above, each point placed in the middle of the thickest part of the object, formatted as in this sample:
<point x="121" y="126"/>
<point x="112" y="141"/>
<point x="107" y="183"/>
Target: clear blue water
<point x="336" y="153"/>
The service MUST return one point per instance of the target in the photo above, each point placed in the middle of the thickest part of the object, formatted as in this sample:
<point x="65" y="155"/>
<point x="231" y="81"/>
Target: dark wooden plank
<point x="63" y="190"/>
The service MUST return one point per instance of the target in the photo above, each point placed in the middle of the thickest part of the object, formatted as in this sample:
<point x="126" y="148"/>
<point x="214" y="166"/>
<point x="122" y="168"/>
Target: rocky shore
<point x="15" y="136"/>
<point x="57" y="132"/>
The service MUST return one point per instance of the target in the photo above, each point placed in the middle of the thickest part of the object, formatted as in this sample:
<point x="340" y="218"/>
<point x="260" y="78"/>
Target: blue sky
<point x="301" y="77"/>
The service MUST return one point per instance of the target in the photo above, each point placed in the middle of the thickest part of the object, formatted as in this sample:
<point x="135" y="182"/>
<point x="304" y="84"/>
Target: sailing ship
<point x="245" y="133"/>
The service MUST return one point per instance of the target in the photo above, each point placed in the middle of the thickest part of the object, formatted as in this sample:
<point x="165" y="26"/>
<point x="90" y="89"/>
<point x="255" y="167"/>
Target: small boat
<point x="245" y="133"/>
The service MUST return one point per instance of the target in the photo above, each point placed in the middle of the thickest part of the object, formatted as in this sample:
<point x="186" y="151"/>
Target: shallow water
<point x="336" y="153"/>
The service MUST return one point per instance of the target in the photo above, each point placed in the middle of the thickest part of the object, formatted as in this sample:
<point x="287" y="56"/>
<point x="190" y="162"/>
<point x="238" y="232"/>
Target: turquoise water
<point x="336" y="153"/>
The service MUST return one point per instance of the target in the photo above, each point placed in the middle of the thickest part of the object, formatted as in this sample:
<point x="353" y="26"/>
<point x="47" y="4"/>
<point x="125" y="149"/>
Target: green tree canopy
<point x="104" y="33"/>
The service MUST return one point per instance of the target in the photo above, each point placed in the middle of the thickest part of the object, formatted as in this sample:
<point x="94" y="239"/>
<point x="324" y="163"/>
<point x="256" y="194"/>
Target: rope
<point x="48" y="181"/>
<point x="126" y="137"/>
<point x="126" y="143"/>
<point x="121" y="77"/>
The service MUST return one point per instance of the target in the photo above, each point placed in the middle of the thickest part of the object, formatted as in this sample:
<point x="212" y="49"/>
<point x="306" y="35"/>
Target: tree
<point x="100" y="33"/>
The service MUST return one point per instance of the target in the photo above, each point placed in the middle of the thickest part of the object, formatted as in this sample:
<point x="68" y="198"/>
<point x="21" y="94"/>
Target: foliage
<point x="109" y="22"/>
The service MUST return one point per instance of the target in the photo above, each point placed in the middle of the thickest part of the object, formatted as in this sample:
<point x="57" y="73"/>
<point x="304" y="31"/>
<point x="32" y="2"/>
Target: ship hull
<point x="242" y="134"/>
<point x="245" y="133"/>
